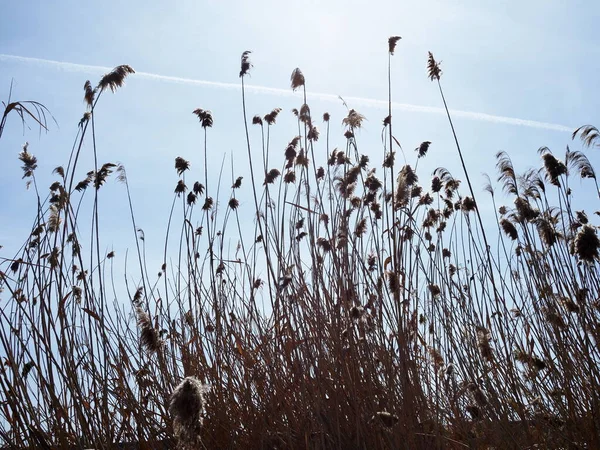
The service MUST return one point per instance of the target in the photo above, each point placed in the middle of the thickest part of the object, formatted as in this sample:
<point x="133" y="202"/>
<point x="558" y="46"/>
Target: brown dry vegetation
<point x="391" y="321"/>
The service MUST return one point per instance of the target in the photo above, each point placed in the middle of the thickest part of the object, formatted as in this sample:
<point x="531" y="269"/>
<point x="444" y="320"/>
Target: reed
<point x="366" y="308"/>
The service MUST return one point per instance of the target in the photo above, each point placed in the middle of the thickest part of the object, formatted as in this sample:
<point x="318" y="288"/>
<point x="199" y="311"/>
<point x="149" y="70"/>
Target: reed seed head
<point x="191" y="198"/>
<point x="392" y="41"/>
<point x="234" y="203"/>
<point x="186" y="407"/>
<point x="483" y="343"/>
<point x="297" y="79"/>
<point x="289" y="177"/>
<point x="180" y="188"/>
<point x="245" y="63"/>
<point x="149" y="336"/>
<point x="198" y="188"/>
<point x="116" y="78"/>
<point x="181" y="165"/>
<point x="313" y="134"/>
<point x="90" y="93"/>
<point x="354" y="119"/>
<point x="433" y="68"/>
<point x="587" y="244"/>
<point x="554" y="168"/>
<point x="29" y="161"/>
<point x="423" y="148"/>
<point x="509" y="229"/>
<point x="272" y="116"/>
<point x="204" y="116"/>
<point x="271" y="176"/>
<point x="468" y="204"/>
<point x="208" y="203"/>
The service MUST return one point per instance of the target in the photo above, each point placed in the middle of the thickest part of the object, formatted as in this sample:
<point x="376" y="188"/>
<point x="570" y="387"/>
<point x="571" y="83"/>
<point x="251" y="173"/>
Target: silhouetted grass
<point x="390" y="320"/>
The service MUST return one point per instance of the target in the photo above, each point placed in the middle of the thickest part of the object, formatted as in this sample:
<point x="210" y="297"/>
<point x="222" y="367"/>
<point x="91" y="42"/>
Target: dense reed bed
<point x="364" y="305"/>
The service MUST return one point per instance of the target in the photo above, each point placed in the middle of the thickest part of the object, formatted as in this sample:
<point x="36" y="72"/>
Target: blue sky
<point x="534" y="60"/>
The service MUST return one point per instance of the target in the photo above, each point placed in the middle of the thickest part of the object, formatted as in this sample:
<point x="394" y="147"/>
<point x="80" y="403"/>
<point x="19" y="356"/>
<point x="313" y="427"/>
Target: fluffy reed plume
<point x="297" y="79"/>
<point x="402" y="193"/>
<point x="313" y="134"/>
<point x="181" y="165"/>
<point x="198" y="188"/>
<point x="324" y="244"/>
<point x="392" y="41"/>
<point x="433" y="68"/>
<point x="468" y="204"/>
<point x="409" y="175"/>
<point x="84" y="119"/>
<point x="257" y="120"/>
<point x="180" y="188"/>
<point x="204" y="116"/>
<point x="304" y="114"/>
<point x="289" y="177"/>
<point x="587" y="244"/>
<point x="509" y="229"/>
<point x="302" y="159"/>
<point x="234" y="203"/>
<point x="352" y="175"/>
<point x="393" y="283"/>
<point x="582" y="217"/>
<point x="271" y="176"/>
<point x="191" y="198"/>
<point x="271" y="117"/>
<point x="546" y="229"/>
<point x="29" y="161"/>
<point x="423" y="148"/>
<point x="526" y="212"/>
<point x="245" y="63"/>
<point x="554" y="167"/>
<point x="208" y="203"/>
<point x="483" y="343"/>
<point x="361" y="227"/>
<point x="149" y="336"/>
<point x="372" y="183"/>
<point x="116" y="78"/>
<point x="363" y="162"/>
<point x="589" y="135"/>
<point x="354" y="119"/>
<point x="102" y="174"/>
<point x="388" y="161"/>
<point x="186" y="407"/>
<point x="238" y="183"/>
<point x="416" y="191"/>
<point x="90" y="93"/>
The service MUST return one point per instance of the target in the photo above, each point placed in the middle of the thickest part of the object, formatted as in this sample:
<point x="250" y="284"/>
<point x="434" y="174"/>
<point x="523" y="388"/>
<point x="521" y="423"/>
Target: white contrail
<point x="354" y="101"/>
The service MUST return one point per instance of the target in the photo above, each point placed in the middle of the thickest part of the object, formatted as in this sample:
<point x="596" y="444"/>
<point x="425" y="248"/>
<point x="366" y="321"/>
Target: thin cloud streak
<point x="356" y="101"/>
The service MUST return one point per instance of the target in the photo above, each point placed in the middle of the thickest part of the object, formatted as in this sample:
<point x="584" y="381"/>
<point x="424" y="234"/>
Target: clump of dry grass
<point x="363" y="308"/>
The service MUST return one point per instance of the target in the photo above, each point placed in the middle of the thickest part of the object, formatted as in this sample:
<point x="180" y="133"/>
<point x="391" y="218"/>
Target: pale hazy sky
<point x="527" y="60"/>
